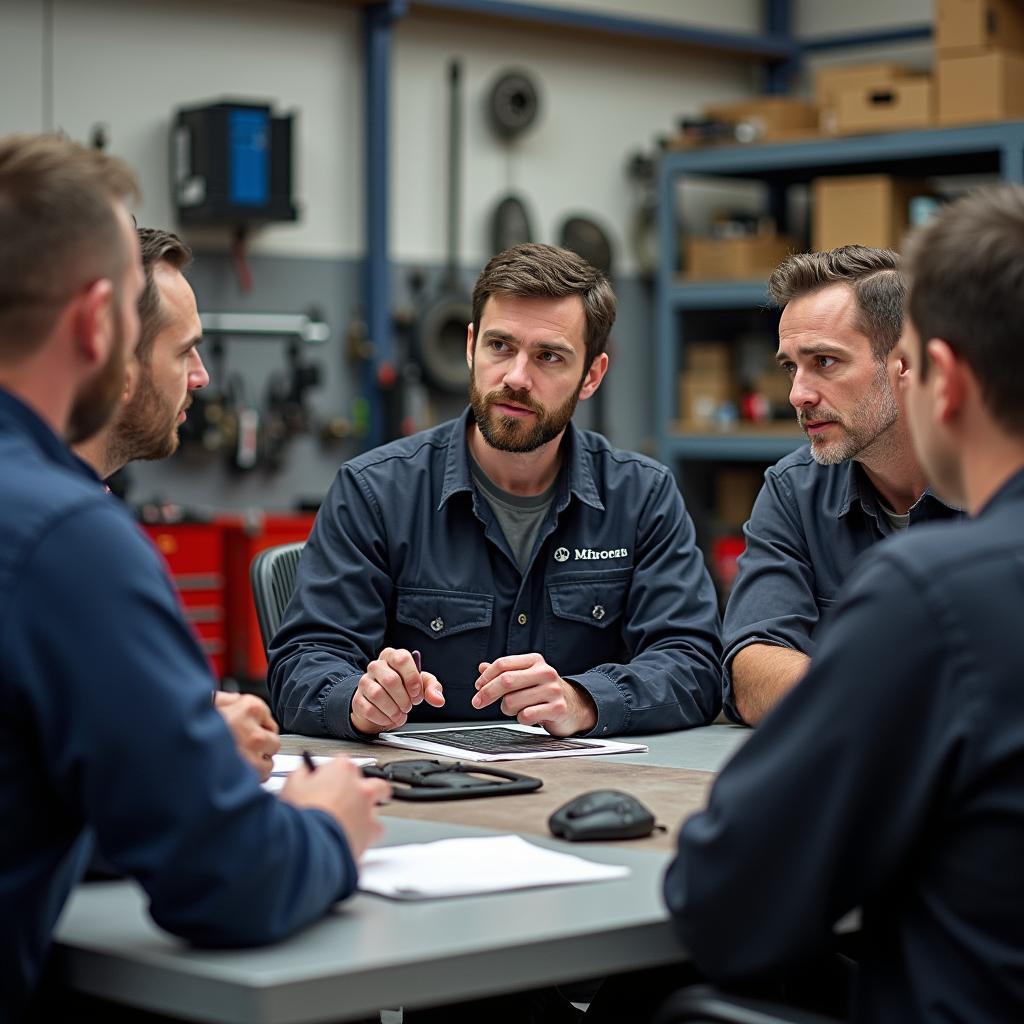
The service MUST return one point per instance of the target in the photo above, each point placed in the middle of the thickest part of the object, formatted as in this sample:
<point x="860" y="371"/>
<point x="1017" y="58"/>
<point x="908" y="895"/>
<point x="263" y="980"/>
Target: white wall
<point x="600" y="101"/>
<point x="128" y="63"/>
<point x="829" y="17"/>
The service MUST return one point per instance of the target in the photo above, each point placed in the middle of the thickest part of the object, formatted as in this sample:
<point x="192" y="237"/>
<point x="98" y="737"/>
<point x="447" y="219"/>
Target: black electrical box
<point x="231" y="164"/>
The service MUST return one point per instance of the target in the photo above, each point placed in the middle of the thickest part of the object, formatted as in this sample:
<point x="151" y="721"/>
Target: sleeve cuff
<point x="612" y="708"/>
<point x="335" y="709"/>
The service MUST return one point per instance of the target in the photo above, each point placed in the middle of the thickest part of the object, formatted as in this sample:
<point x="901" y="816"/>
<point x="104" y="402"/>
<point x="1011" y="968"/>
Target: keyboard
<point x="499" y="741"/>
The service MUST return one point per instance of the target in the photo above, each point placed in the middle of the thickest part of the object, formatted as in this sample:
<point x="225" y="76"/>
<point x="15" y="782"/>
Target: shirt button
<point x="522" y="619"/>
<point x="598" y="612"/>
<point x="437" y="624"/>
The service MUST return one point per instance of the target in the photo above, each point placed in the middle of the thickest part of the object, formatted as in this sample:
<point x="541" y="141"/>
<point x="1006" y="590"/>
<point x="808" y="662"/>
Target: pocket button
<point x="598" y="612"/>
<point x="437" y="624"/>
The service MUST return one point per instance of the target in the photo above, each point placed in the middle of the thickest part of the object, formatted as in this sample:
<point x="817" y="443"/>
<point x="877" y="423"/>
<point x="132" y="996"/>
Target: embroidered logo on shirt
<point x="590" y="554"/>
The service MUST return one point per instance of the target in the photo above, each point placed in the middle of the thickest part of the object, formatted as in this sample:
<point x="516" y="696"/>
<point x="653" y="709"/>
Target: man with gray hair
<point x="892" y="780"/>
<point x="855" y="482"/>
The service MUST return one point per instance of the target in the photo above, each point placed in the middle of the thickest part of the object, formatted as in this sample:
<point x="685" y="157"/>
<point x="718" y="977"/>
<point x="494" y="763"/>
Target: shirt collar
<point x="576" y="476"/>
<point x="15" y="414"/>
<point x="857" y="487"/>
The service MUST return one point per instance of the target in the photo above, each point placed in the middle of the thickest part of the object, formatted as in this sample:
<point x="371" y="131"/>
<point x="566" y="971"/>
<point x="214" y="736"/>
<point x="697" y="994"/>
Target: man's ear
<point x="94" y="321"/>
<point x="946" y="377"/>
<point x="132" y="372"/>
<point x="594" y="376"/>
<point x="469" y="345"/>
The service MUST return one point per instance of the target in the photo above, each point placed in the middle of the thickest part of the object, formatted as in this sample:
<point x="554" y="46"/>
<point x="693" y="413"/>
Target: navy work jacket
<point x="406" y="553"/>
<point x="890" y="779"/>
<point x="108" y="733"/>
<point x="809" y="526"/>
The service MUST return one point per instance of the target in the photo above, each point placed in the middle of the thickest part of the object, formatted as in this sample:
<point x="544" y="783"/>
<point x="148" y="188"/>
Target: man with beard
<point x="544" y="575"/>
<point x="166" y="369"/>
<point x="856" y="482"/>
<point x="107" y="732"/>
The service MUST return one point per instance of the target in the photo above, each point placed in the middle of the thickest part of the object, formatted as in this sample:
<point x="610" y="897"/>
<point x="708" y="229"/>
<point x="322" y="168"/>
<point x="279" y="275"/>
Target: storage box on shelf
<point x="769" y="118"/>
<point x="735" y="259"/>
<point x="972" y="25"/>
<point x="830" y="82"/>
<point x="862" y="209"/>
<point x="897" y="105"/>
<point x="980" y="87"/>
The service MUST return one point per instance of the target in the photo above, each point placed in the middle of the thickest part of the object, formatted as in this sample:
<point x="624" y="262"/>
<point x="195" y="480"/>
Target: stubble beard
<point x="147" y="426"/>
<point x="511" y="434"/>
<point x="864" y="430"/>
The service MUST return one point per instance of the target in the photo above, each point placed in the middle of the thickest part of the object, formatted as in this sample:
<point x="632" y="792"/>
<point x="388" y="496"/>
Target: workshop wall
<point x="125" y="64"/>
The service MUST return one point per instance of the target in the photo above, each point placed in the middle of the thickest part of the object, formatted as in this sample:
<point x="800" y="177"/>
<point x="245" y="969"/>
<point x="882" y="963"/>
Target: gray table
<point x="374" y="953"/>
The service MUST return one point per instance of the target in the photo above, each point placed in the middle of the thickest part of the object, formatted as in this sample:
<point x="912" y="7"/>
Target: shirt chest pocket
<point x="451" y="627"/>
<point x="584" y="621"/>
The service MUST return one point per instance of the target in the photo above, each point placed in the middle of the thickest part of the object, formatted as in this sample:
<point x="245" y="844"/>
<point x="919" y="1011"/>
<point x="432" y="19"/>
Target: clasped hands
<point x="529" y="689"/>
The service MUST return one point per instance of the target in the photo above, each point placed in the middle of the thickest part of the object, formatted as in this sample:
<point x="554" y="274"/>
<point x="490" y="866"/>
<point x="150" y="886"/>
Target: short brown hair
<point x="157" y="247"/>
<point x="873" y="275"/>
<point x="546" y="271"/>
<point x="58" y="231"/>
<point x="966" y="282"/>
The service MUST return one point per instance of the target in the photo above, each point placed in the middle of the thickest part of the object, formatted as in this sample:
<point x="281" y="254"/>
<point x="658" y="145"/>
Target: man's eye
<point x="825" y="361"/>
<point x="788" y="368"/>
<point x="550" y="357"/>
<point x="498" y="346"/>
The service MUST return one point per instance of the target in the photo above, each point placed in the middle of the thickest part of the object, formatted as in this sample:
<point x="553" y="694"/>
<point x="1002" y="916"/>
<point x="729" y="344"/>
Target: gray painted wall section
<point x="204" y="482"/>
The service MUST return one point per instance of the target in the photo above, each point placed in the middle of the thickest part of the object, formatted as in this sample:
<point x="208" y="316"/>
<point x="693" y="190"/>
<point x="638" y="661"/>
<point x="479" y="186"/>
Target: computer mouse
<point x="602" y="814"/>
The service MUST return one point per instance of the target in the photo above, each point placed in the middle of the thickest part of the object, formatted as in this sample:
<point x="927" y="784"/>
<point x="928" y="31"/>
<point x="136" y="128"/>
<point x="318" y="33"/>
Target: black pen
<point x="417" y="660"/>
<point x="307" y="758"/>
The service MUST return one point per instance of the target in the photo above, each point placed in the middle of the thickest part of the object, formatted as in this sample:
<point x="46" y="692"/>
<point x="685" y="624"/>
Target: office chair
<point x="702" y="1004"/>
<point x="272" y="574"/>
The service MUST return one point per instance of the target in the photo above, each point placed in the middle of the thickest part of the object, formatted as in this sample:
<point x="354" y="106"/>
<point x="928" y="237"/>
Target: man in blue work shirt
<point x="545" y="575"/>
<point x="107" y="729"/>
<point x="160" y="380"/>
<point x="856" y="482"/>
<point x="892" y="777"/>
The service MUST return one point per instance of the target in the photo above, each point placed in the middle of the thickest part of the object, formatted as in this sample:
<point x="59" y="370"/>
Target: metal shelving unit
<point x="987" y="148"/>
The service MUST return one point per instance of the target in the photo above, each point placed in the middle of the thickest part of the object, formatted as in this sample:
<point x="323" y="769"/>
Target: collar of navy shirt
<point x="575" y="478"/>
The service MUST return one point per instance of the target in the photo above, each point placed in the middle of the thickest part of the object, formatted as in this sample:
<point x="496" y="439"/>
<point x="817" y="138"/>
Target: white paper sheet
<point x="574" y="746"/>
<point x="463" y="867"/>
<point x="285" y="764"/>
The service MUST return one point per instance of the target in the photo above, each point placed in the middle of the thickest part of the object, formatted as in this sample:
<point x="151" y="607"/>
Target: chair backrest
<point x="272" y="574"/>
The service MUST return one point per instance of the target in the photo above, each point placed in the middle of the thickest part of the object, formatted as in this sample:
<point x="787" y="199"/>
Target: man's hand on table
<point x="252" y="727"/>
<point x="388" y="689"/>
<point x="535" y="694"/>
<point x="339" y="788"/>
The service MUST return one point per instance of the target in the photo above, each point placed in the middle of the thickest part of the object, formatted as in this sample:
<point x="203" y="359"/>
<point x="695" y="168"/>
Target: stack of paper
<point x="285" y="764"/>
<point x="462" y="867"/>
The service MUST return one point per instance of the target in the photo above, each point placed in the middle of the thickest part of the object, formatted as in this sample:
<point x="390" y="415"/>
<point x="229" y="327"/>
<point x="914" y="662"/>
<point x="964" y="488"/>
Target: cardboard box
<point x="986" y="87"/>
<point x="904" y="103"/>
<point x="735" y="491"/>
<point x="864" y="209"/>
<point x="829" y="82"/>
<point x="962" y="26"/>
<point x="711" y="357"/>
<point x="772" y="118"/>
<point x="701" y="394"/>
<point x="735" y="259"/>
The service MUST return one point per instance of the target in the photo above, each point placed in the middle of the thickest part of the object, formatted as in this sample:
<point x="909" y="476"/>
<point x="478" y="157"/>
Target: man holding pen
<point x="109" y="737"/>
